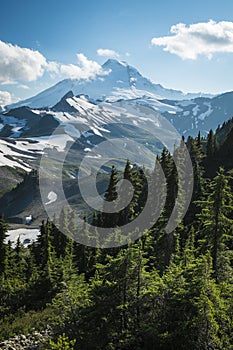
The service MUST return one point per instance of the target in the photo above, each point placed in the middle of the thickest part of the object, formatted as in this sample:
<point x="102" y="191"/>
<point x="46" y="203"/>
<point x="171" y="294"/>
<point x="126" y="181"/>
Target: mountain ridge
<point x="74" y="113"/>
<point x="122" y="81"/>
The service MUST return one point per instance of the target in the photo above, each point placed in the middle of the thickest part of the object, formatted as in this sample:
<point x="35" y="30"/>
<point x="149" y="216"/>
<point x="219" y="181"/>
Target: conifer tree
<point x="215" y="220"/>
<point x="211" y="148"/>
<point x="189" y="248"/>
<point x="196" y="156"/>
<point x="19" y="260"/>
<point x="111" y="193"/>
<point x="3" y="236"/>
<point x="109" y="219"/>
<point x="211" y="145"/>
<point x="126" y="213"/>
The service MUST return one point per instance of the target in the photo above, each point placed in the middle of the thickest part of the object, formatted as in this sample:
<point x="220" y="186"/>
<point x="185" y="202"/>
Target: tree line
<point x="163" y="291"/>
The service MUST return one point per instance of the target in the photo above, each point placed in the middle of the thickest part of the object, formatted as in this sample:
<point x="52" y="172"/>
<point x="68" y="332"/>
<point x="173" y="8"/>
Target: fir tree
<point x="3" y="236"/>
<point x="215" y="220"/>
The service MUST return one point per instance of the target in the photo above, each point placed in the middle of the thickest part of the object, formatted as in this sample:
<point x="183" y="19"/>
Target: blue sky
<point x="59" y="30"/>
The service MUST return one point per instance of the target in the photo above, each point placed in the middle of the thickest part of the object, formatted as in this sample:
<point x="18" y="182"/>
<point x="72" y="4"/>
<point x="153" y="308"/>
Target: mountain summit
<point x="122" y="81"/>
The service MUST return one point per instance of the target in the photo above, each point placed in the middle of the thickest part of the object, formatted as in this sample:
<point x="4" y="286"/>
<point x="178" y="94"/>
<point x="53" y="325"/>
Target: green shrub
<point x="62" y="343"/>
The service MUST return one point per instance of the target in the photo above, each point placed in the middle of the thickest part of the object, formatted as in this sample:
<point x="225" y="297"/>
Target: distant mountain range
<point x="88" y="111"/>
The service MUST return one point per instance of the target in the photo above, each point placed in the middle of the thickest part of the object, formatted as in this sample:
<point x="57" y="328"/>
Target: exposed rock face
<point x="30" y="341"/>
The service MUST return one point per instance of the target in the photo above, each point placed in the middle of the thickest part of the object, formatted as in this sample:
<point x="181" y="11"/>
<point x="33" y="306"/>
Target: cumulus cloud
<point x="5" y="98"/>
<point x="108" y="53"/>
<point x="205" y="38"/>
<point x="86" y="69"/>
<point x="19" y="63"/>
<point x="52" y="67"/>
<point x="8" y="82"/>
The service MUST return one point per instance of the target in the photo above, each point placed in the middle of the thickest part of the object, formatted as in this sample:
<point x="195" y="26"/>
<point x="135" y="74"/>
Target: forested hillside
<point x="165" y="291"/>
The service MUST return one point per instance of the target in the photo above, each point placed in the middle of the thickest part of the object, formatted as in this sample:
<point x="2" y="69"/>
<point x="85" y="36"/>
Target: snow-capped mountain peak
<point x="122" y="81"/>
<point x="111" y="62"/>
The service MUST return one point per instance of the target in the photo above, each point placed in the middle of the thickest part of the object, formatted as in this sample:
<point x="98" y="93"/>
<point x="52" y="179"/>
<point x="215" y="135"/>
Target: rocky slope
<point x="31" y="341"/>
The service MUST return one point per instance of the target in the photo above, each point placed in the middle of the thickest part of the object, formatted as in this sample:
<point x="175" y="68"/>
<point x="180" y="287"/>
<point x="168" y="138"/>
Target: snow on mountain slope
<point x="200" y="114"/>
<point x="17" y="154"/>
<point x="84" y="120"/>
<point x="24" y="153"/>
<point x="86" y="110"/>
<point x="77" y="114"/>
<point x="122" y="81"/>
<point x="26" y="132"/>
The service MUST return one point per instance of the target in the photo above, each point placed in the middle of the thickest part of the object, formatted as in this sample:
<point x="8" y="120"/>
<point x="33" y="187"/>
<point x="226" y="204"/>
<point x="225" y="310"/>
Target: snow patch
<point x="58" y="141"/>
<point x="206" y="114"/>
<point x="196" y="110"/>
<point x="23" y="234"/>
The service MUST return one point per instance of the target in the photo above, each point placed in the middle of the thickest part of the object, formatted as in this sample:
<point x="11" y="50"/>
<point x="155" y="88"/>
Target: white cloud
<point x="5" y="98"/>
<point x="108" y="53"/>
<point x="52" y="67"/>
<point x="8" y="82"/>
<point x="87" y="69"/>
<point x="205" y="38"/>
<point x="20" y="63"/>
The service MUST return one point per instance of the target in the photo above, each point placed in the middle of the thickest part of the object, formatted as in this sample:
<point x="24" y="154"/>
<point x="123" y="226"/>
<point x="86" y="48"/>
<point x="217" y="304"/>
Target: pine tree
<point x="196" y="156"/>
<point x="205" y="305"/>
<point x="189" y="248"/>
<point x="124" y="192"/>
<point x="170" y="173"/>
<point x="211" y="148"/>
<point x="109" y="219"/>
<point x="157" y="194"/>
<point x="3" y="236"/>
<point x="211" y="145"/>
<point x="45" y="256"/>
<point x="111" y="193"/>
<point x="215" y="220"/>
<point x="19" y="260"/>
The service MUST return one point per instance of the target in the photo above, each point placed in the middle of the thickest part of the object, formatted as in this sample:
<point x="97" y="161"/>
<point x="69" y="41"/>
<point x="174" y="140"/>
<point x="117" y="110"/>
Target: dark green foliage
<point x="216" y="222"/>
<point x="166" y="291"/>
<point x="3" y="235"/>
